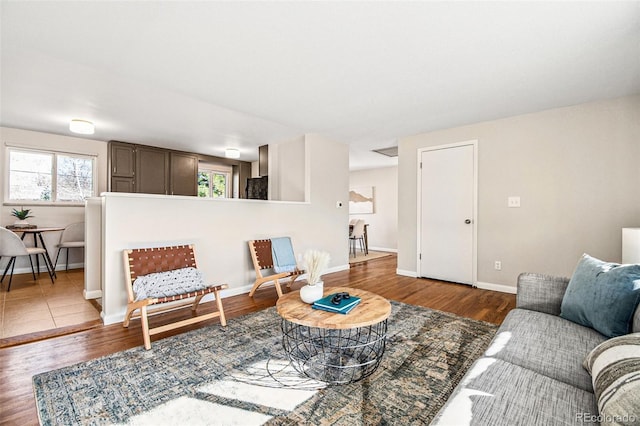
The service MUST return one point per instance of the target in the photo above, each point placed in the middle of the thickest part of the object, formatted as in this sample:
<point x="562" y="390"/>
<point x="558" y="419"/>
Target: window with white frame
<point x="214" y="183"/>
<point x="49" y="177"/>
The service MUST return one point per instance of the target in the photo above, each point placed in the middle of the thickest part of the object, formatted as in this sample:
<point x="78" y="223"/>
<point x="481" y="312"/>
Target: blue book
<point x="345" y="304"/>
<point x="344" y="311"/>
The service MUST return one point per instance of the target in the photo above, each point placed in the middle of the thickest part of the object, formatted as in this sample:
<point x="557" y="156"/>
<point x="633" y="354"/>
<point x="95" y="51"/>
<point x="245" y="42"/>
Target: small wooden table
<point x="330" y="347"/>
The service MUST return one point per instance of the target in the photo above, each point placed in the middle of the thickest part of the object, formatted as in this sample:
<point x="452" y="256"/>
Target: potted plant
<point x="22" y="215"/>
<point x="315" y="262"/>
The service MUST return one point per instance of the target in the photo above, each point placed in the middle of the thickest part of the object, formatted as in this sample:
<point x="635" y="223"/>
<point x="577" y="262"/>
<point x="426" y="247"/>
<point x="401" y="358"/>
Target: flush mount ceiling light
<point x="232" y="153"/>
<point x="83" y="127"/>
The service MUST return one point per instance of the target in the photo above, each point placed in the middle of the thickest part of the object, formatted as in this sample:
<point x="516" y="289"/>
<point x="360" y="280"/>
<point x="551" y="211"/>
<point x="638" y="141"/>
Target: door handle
<point x="468" y="221"/>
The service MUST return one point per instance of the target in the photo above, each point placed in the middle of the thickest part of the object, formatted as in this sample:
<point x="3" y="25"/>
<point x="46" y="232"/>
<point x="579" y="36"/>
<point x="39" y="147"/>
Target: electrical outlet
<point x="513" y="201"/>
<point x="497" y="265"/>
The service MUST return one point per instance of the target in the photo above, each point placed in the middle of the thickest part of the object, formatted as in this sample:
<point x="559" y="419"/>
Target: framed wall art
<point x="361" y="200"/>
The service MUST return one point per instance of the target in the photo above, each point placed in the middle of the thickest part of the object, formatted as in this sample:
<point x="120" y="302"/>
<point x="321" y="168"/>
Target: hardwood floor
<point x="19" y="363"/>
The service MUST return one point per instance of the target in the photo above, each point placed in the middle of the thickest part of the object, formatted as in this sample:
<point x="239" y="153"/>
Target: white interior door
<point x="447" y="206"/>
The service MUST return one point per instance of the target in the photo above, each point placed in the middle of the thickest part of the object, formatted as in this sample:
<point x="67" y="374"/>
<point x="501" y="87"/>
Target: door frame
<point x="474" y="219"/>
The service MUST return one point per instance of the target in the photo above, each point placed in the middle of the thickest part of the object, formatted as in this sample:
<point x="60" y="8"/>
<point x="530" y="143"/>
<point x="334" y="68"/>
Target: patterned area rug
<point x="240" y="375"/>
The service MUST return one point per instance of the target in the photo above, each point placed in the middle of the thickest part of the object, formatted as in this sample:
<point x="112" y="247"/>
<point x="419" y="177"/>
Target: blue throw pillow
<point x="602" y="296"/>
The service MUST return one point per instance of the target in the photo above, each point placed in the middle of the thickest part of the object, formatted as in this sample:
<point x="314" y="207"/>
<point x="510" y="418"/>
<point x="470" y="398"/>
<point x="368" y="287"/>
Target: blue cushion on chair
<point x="602" y="296"/>
<point x="282" y="252"/>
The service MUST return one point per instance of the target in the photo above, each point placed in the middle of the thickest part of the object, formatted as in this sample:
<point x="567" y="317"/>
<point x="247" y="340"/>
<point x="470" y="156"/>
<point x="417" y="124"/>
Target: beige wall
<point x="287" y="170"/>
<point x="576" y="169"/>
<point x="220" y="228"/>
<point x="383" y="223"/>
<point x="50" y="215"/>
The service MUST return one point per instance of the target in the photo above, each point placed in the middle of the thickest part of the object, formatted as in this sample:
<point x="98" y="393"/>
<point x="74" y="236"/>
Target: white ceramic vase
<point x="21" y="223"/>
<point x="311" y="293"/>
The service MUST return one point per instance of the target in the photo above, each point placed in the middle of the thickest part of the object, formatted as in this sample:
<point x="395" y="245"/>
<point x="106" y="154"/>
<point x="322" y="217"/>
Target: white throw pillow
<point x="169" y="283"/>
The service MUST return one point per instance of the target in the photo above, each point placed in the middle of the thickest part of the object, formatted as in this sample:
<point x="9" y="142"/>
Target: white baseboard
<point x="112" y="319"/>
<point x="231" y="292"/>
<point x="93" y="294"/>
<point x="71" y="266"/>
<point x="389" y="250"/>
<point x="485" y="286"/>
<point x="497" y="287"/>
<point x="338" y="268"/>
<point x="247" y="288"/>
<point x="403" y="272"/>
<point x="119" y="317"/>
<point x="43" y="268"/>
<point x="234" y="291"/>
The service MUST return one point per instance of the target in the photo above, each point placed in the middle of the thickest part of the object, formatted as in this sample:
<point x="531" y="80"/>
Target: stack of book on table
<point x="343" y="307"/>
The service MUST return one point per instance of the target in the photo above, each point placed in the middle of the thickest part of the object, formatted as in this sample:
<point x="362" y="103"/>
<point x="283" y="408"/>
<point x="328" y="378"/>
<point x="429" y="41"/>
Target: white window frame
<point x="211" y="170"/>
<point x="54" y="176"/>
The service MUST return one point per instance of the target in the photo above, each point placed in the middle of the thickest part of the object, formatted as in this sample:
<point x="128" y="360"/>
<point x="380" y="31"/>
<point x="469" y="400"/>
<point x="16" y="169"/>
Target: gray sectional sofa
<point x="532" y="372"/>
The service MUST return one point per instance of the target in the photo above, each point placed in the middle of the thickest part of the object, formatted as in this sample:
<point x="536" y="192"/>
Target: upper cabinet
<point x="184" y="174"/>
<point x="123" y="159"/>
<point x="152" y="166"/>
<point x="122" y="167"/>
<point x="151" y="170"/>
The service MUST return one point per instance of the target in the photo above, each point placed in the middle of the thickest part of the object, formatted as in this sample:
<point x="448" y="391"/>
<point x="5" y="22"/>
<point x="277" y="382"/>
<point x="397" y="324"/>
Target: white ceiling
<point x="203" y="76"/>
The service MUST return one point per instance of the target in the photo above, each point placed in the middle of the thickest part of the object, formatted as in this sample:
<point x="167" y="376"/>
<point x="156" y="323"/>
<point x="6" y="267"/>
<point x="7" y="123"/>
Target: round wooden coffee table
<point x="331" y="347"/>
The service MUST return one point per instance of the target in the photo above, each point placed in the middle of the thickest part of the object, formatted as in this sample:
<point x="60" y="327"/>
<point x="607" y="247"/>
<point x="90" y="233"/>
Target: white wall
<point x="576" y="169"/>
<point x="382" y="231"/>
<point x="93" y="248"/>
<point x="221" y="228"/>
<point x="50" y="215"/>
<point x="287" y="170"/>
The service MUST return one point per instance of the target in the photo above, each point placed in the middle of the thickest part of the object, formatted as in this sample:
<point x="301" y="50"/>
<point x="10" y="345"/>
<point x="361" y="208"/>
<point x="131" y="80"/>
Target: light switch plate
<point x="513" y="201"/>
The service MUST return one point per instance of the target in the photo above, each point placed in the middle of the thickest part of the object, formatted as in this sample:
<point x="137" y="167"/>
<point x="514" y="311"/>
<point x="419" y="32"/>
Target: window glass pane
<point x="75" y="178"/>
<point x="203" y="184"/>
<point x="219" y="187"/>
<point x="30" y="176"/>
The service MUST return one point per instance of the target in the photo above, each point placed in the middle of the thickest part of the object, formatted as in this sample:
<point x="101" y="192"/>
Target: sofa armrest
<point x="542" y="293"/>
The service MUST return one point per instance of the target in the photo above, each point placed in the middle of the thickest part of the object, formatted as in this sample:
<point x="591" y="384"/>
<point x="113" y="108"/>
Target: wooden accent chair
<point x="262" y="261"/>
<point x="141" y="262"/>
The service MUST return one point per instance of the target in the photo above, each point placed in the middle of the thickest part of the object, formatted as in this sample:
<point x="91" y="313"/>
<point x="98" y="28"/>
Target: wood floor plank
<point x="19" y="363"/>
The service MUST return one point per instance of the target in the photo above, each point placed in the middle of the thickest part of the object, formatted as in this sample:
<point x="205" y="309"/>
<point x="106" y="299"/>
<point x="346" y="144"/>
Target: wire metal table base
<point x="332" y="356"/>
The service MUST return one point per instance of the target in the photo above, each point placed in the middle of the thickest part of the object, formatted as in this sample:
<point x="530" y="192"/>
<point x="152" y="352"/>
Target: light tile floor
<point x="39" y="305"/>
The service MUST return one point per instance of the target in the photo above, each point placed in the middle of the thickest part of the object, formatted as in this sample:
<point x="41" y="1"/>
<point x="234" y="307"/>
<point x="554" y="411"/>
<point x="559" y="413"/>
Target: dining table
<point x="37" y="236"/>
